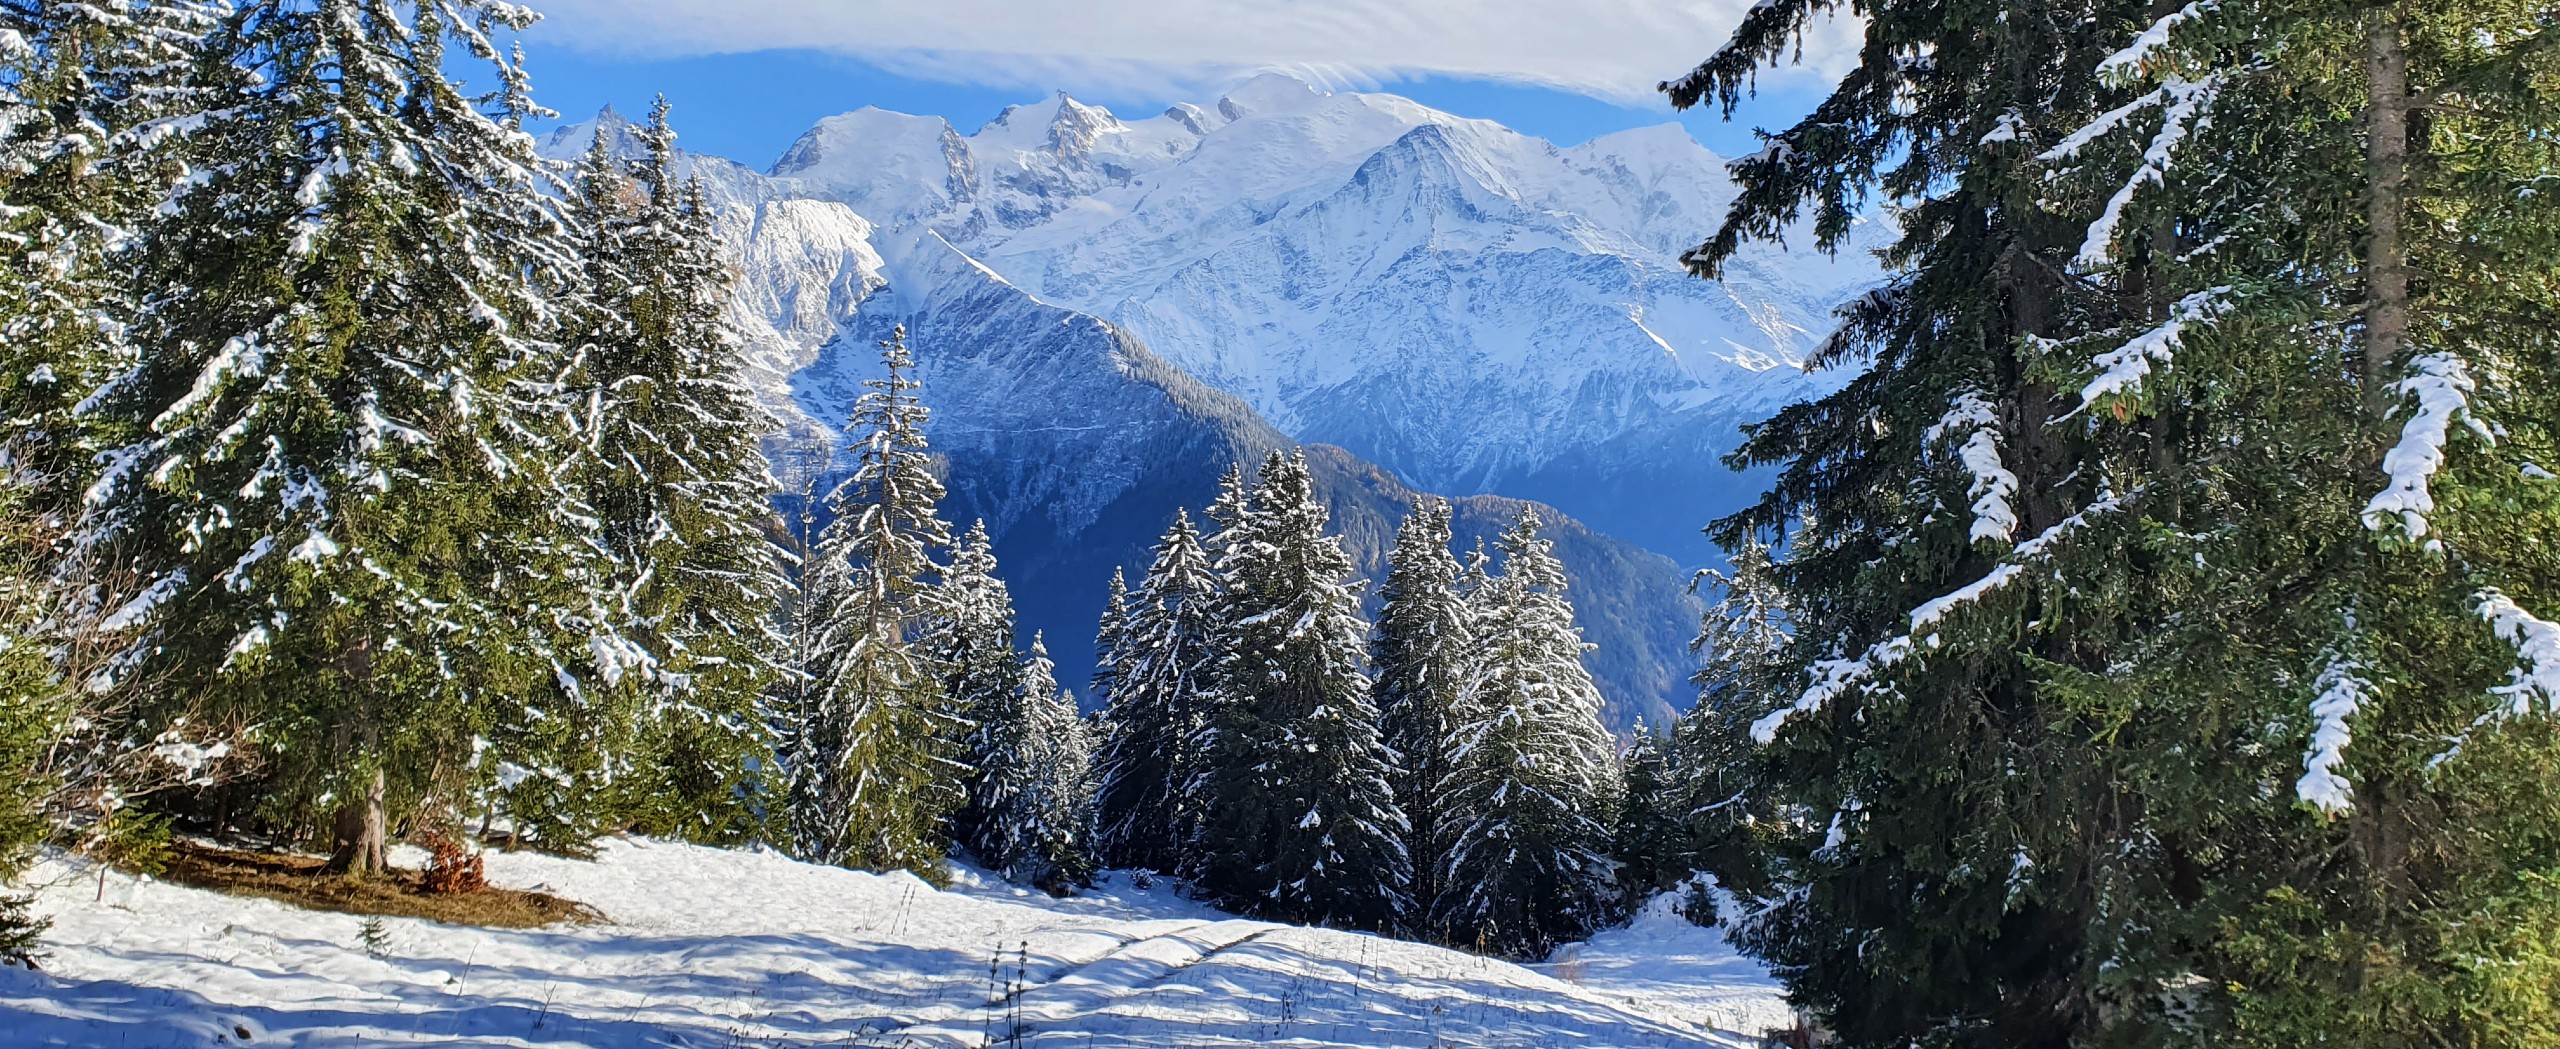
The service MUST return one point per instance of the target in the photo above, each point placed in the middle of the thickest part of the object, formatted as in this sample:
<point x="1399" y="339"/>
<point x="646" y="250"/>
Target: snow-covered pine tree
<point x="1301" y="822"/>
<point x="1713" y="762"/>
<point x="1106" y="638"/>
<point x="2332" y="420"/>
<point x="1652" y="844"/>
<point x="1165" y="663"/>
<point x="93" y="97"/>
<point x="672" y="735"/>
<point x="1533" y="794"/>
<point x="970" y="643"/>
<point x="875" y="776"/>
<point x="1033" y="793"/>
<point x="2273" y="281"/>
<point x="32" y="710"/>
<point x="1421" y="656"/>
<point x="344" y="491"/>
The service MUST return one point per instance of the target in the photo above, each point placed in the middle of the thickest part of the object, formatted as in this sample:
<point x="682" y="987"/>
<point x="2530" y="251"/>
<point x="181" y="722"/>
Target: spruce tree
<point x="875" y="773"/>
<point x="2140" y="615"/>
<point x="1713" y="788"/>
<point x="345" y="487"/>
<point x="1652" y="844"/>
<point x="970" y="643"/>
<point x="1165" y="663"/>
<point x="1301" y="821"/>
<point x="1106" y="638"/>
<point x="1534" y="791"/>
<point x="1033" y="793"/>
<point x="1421" y="656"/>
<point x="93" y="105"/>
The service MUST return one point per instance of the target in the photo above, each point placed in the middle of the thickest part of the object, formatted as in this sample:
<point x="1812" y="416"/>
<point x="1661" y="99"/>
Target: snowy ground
<point x="731" y="950"/>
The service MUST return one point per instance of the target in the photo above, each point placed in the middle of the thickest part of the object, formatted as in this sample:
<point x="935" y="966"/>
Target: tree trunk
<point x="2386" y="273"/>
<point x="362" y="834"/>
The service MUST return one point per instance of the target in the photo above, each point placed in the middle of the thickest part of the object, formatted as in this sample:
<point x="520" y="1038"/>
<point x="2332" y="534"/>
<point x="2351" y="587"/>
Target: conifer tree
<point x="1032" y="791"/>
<point x="1106" y="638"/>
<point x="1153" y="717"/>
<point x="93" y="99"/>
<point x="1301" y="820"/>
<point x="344" y="488"/>
<point x="1421" y="656"/>
<point x="970" y="643"/>
<point x="1534" y="791"/>
<point x="1652" y="843"/>
<point x="875" y="773"/>
<point x="2222" y="313"/>
<point x="1713" y="790"/>
<point x="671" y="736"/>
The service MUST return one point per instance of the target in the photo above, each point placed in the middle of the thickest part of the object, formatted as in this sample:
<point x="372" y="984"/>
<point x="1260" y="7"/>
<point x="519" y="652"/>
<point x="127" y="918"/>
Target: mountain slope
<point x="1474" y="309"/>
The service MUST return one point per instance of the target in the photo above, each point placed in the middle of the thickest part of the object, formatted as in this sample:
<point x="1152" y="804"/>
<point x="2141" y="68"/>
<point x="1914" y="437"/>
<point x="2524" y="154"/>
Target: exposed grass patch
<point x="298" y="880"/>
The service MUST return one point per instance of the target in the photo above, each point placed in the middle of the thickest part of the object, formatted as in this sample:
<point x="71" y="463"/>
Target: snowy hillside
<point x="708" y="948"/>
<point x="1475" y="309"/>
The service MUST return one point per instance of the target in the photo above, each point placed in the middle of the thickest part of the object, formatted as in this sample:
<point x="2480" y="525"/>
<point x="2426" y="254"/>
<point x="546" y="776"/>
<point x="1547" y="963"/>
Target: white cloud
<point x="1613" y="49"/>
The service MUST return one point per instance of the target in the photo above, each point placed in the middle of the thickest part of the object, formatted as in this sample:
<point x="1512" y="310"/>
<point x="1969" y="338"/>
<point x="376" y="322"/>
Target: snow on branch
<point x="2186" y="114"/>
<point x="2537" y="642"/>
<point x="2123" y="369"/>
<point x="2125" y="65"/>
<point x="2342" y="691"/>
<point x="1833" y="678"/>
<point x="1994" y="519"/>
<point x="2442" y="386"/>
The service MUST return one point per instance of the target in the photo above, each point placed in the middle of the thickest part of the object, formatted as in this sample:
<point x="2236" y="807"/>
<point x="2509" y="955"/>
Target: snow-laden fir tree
<point x="93" y="98"/>
<point x="1301" y="821"/>
<point x="2164" y="654"/>
<point x="1743" y="648"/>
<point x="673" y="737"/>
<point x="1652" y="843"/>
<point x="970" y="643"/>
<point x="33" y="710"/>
<point x="874" y="773"/>
<point x="345" y="491"/>
<point x="1163" y="665"/>
<point x="1033" y="792"/>
<point x="1533" y="793"/>
<point x="1106" y="638"/>
<point x="1421" y="656"/>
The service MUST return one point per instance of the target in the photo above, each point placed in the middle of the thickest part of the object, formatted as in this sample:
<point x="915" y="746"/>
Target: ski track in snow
<point x="709" y="948"/>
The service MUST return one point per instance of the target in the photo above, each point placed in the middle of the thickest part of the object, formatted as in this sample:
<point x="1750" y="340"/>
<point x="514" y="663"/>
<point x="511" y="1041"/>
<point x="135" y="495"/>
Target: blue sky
<point x="748" y="76"/>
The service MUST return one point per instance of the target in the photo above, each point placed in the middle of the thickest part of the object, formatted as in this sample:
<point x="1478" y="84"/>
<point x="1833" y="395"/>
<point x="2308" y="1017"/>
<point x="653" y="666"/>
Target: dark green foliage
<point x="342" y="491"/>
<point x="875" y="772"/>
<point x="1533" y="789"/>
<point x="2154" y="681"/>
<point x="1161" y="667"/>
<point x="1421" y="656"/>
<point x="678" y="484"/>
<point x="1300" y="822"/>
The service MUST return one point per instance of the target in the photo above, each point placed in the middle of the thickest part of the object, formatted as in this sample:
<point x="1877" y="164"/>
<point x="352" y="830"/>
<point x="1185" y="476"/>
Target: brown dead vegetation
<point x="301" y="881"/>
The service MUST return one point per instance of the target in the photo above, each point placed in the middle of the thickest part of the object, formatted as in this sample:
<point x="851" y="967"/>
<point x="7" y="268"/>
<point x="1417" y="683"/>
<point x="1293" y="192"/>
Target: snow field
<point x="710" y="948"/>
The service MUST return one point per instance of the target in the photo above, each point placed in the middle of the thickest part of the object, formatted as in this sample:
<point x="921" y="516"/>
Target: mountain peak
<point x="1269" y="93"/>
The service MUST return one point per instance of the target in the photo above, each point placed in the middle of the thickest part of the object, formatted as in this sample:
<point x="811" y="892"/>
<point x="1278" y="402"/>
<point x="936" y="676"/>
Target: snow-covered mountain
<point x="1475" y="309"/>
<point x="1106" y="314"/>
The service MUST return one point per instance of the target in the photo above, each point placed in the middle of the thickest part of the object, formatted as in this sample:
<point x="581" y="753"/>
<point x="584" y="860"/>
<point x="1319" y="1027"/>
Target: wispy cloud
<point x="1613" y="49"/>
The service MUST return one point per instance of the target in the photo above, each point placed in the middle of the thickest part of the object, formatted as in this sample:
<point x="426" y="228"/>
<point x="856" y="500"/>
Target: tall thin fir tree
<point x="970" y="642"/>
<point x="1713" y="790"/>
<point x="673" y="737"/>
<point x="1033" y="791"/>
<point x="876" y="774"/>
<point x="1106" y="638"/>
<point x="1421" y="656"/>
<point x="344" y="491"/>
<point x="1166" y="660"/>
<point x="1534" y="791"/>
<point x="1301" y="822"/>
